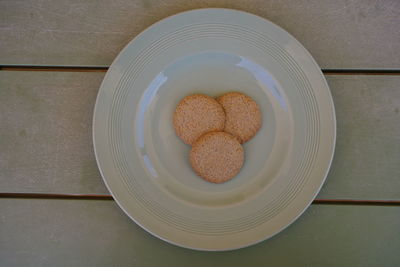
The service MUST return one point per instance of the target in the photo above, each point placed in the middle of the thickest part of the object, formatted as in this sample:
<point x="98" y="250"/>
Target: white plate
<point x="145" y="165"/>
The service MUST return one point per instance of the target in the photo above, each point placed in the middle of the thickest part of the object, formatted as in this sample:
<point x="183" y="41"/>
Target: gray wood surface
<point x="366" y="164"/>
<point x="46" y="144"/>
<point x="97" y="233"/>
<point x="45" y="133"/>
<point x="339" y="34"/>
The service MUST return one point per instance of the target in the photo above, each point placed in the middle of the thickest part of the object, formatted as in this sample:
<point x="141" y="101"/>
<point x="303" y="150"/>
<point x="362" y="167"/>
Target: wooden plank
<point x="339" y="34"/>
<point x="367" y="155"/>
<point x="46" y="146"/>
<point x="46" y="140"/>
<point x="97" y="233"/>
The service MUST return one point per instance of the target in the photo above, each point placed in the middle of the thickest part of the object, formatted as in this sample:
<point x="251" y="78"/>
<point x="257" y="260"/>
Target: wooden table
<point x="54" y="207"/>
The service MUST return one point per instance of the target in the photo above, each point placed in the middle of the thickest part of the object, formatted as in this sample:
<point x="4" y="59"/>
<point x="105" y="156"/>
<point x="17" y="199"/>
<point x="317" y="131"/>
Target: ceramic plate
<point x="145" y="165"/>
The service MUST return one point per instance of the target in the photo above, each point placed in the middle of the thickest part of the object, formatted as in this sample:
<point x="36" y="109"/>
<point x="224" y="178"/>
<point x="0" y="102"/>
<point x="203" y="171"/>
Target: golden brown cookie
<point x="196" y="115"/>
<point x="217" y="157"/>
<point x="243" y="116"/>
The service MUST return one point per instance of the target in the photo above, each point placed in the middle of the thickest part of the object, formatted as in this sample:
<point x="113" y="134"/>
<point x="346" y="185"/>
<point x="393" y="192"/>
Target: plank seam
<point x="109" y="197"/>
<point x="105" y="68"/>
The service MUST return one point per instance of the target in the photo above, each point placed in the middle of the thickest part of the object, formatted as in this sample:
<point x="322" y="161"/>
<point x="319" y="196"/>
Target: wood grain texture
<point x="97" y="233"/>
<point x="339" y="34"/>
<point x="46" y="139"/>
<point x="367" y="155"/>
<point x="46" y="144"/>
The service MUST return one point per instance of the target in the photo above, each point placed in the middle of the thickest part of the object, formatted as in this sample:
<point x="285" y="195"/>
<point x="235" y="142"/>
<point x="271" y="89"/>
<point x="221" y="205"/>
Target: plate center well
<point x="214" y="73"/>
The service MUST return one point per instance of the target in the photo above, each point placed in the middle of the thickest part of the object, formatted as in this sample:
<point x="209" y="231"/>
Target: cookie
<point x="217" y="157"/>
<point x="196" y="115"/>
<point x="243" y="115"/>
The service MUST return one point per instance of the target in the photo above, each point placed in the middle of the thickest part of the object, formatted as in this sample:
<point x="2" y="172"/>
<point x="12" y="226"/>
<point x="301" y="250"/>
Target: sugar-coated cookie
<point x="217" y="157"/>
<point x="243" y="115"/>
<point x="196" y="115"/>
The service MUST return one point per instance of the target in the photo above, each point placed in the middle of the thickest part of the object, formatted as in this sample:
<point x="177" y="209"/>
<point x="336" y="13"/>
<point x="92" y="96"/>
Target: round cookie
<point x="243" y="116"/>
<point x="196" y="115"/>
<point x="217" y="157"/>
